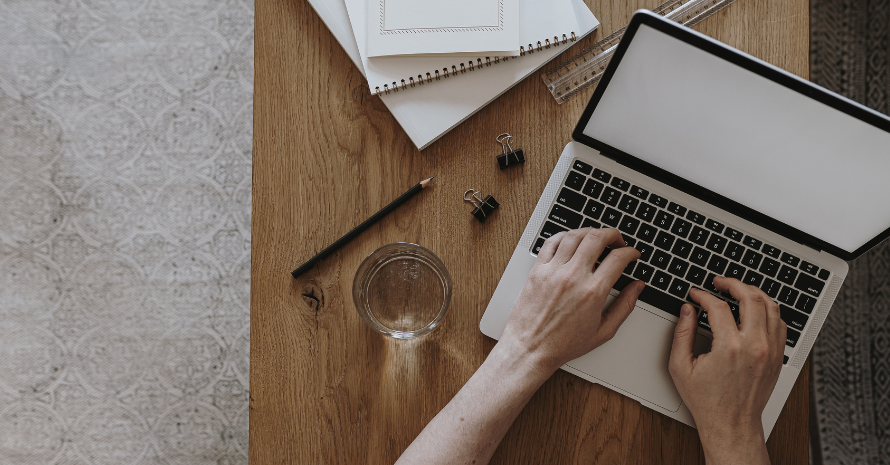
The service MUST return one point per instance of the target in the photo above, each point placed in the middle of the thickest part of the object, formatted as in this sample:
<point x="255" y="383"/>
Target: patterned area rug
<point x="125" y="162"/>
<point x="850" y="390"/>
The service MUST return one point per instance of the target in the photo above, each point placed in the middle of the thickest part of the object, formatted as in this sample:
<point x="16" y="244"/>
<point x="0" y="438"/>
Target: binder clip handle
<point x="510" y="157"/>
<point x="484" y="207"/>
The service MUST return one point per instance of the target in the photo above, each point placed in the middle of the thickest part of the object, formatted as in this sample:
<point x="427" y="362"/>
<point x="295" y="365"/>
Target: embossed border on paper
<point x="499" y="27"/>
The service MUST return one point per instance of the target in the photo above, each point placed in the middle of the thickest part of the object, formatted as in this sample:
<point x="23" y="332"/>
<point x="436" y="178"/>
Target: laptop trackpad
<point x="636" y="359"/>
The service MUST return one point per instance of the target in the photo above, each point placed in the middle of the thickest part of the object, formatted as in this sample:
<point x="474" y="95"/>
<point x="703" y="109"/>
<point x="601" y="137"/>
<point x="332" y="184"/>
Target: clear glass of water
<point x="402" y="290"/>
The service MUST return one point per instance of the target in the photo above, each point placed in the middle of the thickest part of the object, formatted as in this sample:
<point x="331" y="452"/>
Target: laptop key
<point x="696" y="218"/>
<point x="611" y="217"/>
<point x="769" y="267"/>
<point x="594" y="209"/>
<point x="661" y="300"/>
<point x="644" y="272"/>
<point x="629" y="241"/>
<point x="663" y="220"/>
<point x="664" y="240"/>
<point x="805" y="303"/>
<point x="571" y="199"/>
<point x="753" y="278"/>
<point x="709" y="282"/>
<point x="629" y="225"/>
<point x="716" y="243"/>
<point x="647" y="232"/>
<point x="581" y="166"/>
<point x="793" y="318"/>
<point x="696" y="275"/>
<point x="658" y="200"/>
<point x="703" y="321"/>
<point x="678" y="267"/>
<point x="787" y="275"/>
<point x="700" y="256"/>
<point x="714" y="226"/>
<point x="661" y="280"/>
<point x="628" y="204"/>
<point x="601" y="175"/>
<point x="734" y="270"/>
<point x="622" y="282"/>
<point x="645" y="251"/>
<point x="824" y="274"/>
<point x="681" y="248"/>
<point x="565" y="217"/>
<point x="593" y="188"/>
<point x="790" y="259"/>
<point x="734" y="250"/>
<point x="575" y="180"/>
<point x="551" y="229"/>
<point x="718" y="264"/>
<point x="809" y="268"/>
<point x="752" y="259"/>
<point x="788" y="295"/>
<point x="734" y="234"/>
<point x="646" y="212"/>
<point x="610" y="196"/>
<point x="638" y="191"/>
<point x="588" y="223"/>
<point x="660" y="259"/>
<point x="791" y="337"/>
<point x="629" y="269"/>
<point x="699" y="235"/>
<point x="772" y="251"/>
<point x="676" y="209"/>
<point x="681" y="227"/>
<point x="809" y="284"/>
<point x="679" y="288"/>
<point x="620" y="184"/>
<point x="770" y="287"/>
<point x="538" y="244"/>
<point x="753" y="243"/>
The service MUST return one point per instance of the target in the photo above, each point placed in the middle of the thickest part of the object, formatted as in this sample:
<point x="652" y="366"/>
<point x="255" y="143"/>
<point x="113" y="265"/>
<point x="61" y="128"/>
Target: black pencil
<point x="358" y="229"/>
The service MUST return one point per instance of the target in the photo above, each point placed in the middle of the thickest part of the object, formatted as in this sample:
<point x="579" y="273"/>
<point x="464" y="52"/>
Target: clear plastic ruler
<point x="585" y="69"/>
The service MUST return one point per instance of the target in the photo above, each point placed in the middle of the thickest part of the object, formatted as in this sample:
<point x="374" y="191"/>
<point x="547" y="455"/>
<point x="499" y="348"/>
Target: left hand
<point x="559" y="315"/>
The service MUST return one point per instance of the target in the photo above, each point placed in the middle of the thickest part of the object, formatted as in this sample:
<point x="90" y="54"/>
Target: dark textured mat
<point x="850" y="380"/>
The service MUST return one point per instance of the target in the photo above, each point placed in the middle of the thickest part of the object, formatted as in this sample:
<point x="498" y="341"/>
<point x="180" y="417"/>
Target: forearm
<point x="744" y="446"/>
<point x="470" y="427"/>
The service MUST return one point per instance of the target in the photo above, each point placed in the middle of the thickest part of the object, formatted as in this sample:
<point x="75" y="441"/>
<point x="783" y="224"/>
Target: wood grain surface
<point x="327" y="389"/>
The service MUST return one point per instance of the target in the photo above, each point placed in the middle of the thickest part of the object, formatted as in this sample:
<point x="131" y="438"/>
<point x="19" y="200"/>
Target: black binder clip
<point x="484" y="208"/>
<point x="510" y="157"/>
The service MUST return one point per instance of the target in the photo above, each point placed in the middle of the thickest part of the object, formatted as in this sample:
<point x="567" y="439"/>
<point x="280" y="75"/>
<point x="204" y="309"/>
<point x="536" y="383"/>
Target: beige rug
<point x="125" y="161"/>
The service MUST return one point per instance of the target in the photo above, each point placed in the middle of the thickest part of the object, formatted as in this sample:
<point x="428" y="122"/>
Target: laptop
<point x="710" y="162"/>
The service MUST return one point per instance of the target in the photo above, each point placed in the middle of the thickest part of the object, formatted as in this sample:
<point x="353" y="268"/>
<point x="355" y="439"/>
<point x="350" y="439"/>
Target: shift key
<point x="565" y="217"/>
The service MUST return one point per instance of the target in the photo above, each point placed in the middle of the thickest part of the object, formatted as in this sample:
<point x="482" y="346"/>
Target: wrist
<point x="518" y="360"/>
<point x="734" y="442"/>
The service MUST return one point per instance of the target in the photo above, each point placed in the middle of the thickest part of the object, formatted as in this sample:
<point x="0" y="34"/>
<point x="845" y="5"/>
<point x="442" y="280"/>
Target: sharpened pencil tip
<point x="426" y="181"/>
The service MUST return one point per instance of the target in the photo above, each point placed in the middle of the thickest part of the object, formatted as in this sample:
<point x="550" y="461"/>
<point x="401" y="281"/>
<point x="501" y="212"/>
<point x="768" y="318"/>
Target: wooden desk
<point x="327" y="389"/>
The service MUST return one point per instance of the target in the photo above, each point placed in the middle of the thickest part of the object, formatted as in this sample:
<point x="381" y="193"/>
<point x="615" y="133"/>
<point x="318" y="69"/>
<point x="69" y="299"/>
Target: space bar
<point x="654" y="297"/>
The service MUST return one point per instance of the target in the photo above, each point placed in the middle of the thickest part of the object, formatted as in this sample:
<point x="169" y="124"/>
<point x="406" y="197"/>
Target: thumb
<point x="684" y="339"/>
<point x="619" y="310"/>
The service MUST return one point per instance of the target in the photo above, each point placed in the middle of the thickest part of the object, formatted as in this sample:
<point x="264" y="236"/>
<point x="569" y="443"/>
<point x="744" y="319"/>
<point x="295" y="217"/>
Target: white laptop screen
<point x="748" y="139"/>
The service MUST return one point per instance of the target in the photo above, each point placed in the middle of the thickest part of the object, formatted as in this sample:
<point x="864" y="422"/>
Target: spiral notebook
<point x="407" y="27"/>
<point x="543" y="24"/>
<point x="429" y="112"/>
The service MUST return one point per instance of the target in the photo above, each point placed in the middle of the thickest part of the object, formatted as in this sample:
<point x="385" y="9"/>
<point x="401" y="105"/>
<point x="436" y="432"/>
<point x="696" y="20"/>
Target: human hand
<point x="727" y="389"/>
<point x="559" y="314"/>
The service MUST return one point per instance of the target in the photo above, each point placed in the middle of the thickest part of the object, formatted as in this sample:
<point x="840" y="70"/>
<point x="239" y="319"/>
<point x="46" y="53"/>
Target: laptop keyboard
<point x="682" y="249"/>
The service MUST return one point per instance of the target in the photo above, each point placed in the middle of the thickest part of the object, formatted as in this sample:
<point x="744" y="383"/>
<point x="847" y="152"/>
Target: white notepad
<point x="428" y="112"/>
<point x="406" y="27"/>
<point x="544" y="22"/>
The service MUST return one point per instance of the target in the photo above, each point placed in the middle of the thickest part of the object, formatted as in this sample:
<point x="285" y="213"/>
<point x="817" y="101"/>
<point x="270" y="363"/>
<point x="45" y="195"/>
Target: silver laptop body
<point x="778" y="180"/>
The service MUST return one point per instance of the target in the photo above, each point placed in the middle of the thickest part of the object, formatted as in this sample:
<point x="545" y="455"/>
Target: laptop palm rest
<point x="636" y="359"/>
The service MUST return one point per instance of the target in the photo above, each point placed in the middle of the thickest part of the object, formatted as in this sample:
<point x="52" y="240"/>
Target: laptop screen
<point x="747" y="138"/>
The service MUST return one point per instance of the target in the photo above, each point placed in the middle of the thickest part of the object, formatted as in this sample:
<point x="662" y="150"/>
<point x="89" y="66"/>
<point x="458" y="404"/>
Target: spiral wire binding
<point x="471" y="66"/>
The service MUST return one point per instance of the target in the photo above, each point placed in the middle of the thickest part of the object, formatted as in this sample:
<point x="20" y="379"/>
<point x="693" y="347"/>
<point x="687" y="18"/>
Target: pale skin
<point x="560" y="316"/>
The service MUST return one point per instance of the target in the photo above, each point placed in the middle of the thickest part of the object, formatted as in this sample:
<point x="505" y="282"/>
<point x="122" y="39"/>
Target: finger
<point x="719" y="316"/>
<point x="606" y="275"/>
<point x="773" y="319"/>
<point x="594" y="243"/>
<point x="752" y="302"/>
<point x="568" y="245"/>
<point x="620" y="309"/>
<point x="549" y="247"/>
<point x="684" y="342"/>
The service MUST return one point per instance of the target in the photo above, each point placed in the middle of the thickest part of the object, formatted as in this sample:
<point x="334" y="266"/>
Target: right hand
<point x="727" y="389"/>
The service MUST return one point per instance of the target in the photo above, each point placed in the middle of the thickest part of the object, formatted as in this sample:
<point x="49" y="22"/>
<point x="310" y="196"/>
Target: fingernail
<point x="685" y="311"/>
